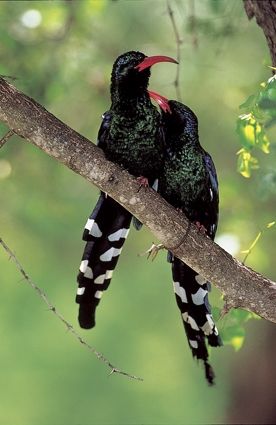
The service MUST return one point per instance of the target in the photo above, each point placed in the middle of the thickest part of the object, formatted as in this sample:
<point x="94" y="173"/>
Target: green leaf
<point x="234" y="336"/>
<point x="269" y="225"/>
<point x="249" y="103"/>
<point x="262" y="141"/>
<point x="252" y="133"/>
<point x="251" y="127"/>
<point x="233" y="331"/>
<point x="240" y="315"/>
<point x="246" y="163"/>
<point x="271" y="94"/>
<point x="237" y="342"/>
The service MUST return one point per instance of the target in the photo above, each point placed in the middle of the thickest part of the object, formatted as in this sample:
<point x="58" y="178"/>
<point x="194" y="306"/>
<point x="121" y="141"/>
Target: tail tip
<point x="209" y="373"/>
<point x="215" y="340"/>
<point x="86" y="316"/>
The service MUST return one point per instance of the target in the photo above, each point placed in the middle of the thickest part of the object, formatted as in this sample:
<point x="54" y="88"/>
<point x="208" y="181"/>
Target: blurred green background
<point x="61" y="53"/>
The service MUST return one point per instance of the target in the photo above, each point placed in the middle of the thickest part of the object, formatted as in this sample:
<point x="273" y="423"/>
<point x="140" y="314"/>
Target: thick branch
<point x="265" y="14"/>
<point x="241" y="286"/>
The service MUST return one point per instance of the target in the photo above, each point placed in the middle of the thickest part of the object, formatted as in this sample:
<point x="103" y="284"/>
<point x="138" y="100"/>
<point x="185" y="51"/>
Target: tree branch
<point x="178" y="42"/>
<point x="241" y="286"/>
<point x="265" y="14"/>
<point x="53" y="309"/>
<point x="5" y="138"/>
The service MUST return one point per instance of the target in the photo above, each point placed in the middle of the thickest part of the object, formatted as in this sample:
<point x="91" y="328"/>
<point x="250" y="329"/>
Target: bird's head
<point x="181" y="123"/>
<point x="131" y="71"/>
<point x="178" y="118"/>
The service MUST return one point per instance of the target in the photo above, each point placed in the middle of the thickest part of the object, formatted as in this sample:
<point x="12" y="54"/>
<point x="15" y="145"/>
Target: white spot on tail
<point x="209" y="325"/>
<point x="198" y="297"/>
<point x="180" y="292"/>
<point x="193" y="344"/>
<point x="83" y="266"/>
<point x="211" y="194"/>
<point x="100" y="279"/>
<point x="109" y="274"/>
<point x="155" y="185"/>
<point x="80" y="291"/>
<point x="98" y="294"/>
<point x="190" y="320"/>
<point x="116" y="236"/>
<point x="110" y="253"/>
<point x="89" y="224"/>
<point x="87" y="271"/>
<point x="200" y="279"/>
<point x="93" y="228"/>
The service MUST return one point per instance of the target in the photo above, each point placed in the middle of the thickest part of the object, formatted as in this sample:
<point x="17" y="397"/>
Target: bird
<point x="189" y="183"/>
<point x="130" y="135"/>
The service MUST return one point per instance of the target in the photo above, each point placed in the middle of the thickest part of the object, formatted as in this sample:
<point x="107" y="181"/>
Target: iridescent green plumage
<point x="185" y="176"/>
<point x="134" y="138"/>
<point x="189" y="183"/>
<point x="130" y="135"/>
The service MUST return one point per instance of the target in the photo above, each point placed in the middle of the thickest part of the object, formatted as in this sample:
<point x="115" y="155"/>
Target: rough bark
<point x="265" y="14"/>
<point x="241" y="286"/>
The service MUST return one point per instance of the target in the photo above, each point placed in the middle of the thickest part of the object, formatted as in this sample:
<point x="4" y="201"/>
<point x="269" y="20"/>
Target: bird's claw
<point x="200" y="227"/>
<point x="143" y="182"/>
<point x="153" y="251"/>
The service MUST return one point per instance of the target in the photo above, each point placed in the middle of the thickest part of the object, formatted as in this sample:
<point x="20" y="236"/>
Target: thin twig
<point x="192" y="19"/>
<point x="179" y="42"/>
<point x="248" y="251"/>
<point x="5" y="138"/>
<point x="53" y="309"/>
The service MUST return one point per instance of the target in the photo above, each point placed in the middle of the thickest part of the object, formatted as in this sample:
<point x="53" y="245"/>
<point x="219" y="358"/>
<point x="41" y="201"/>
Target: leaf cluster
<point x="233" y="329"/>
<point x="259" y="114"/>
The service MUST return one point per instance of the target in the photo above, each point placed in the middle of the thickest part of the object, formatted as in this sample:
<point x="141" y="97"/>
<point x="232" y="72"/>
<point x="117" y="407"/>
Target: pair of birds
<point x="163" y="151"/>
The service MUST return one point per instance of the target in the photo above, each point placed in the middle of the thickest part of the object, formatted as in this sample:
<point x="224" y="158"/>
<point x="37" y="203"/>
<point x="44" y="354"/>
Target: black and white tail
<point x="105" y="233"/>
<point x="191" y="291"/>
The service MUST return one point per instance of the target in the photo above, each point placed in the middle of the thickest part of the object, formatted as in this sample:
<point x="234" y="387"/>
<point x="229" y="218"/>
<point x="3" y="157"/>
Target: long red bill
<point x="162" y="101"/>
<point x="152" y="60"/>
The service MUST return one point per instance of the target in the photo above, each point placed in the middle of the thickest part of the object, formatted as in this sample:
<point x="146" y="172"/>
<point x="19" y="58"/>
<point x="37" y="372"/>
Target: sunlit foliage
<point x="259" y="114"/>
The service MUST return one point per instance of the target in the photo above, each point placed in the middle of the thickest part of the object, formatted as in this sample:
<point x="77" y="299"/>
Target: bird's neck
<point x="185" y="142"/>
<point x="130" y="102"/>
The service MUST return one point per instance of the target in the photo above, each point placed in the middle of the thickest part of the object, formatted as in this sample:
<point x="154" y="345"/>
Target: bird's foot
<point x="200" y="227"/>
<point x="143" y="182"/>
<point x="153" y="251"/>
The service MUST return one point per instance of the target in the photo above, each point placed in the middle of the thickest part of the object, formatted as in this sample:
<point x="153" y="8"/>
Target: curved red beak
<point x="152" y="60"/>
<point x="162" y="101"/>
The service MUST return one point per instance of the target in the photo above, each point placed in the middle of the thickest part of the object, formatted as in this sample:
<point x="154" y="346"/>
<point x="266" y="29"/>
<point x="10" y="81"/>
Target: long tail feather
<point x="105" y="232"/>
<point x="191" y="291"/>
